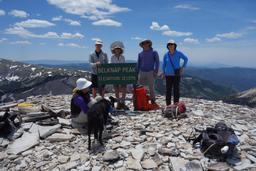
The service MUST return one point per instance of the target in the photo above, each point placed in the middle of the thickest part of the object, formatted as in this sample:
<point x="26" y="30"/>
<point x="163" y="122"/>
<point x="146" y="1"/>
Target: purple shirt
<point x="148" y="60"/>
<point x="79" y="101"/>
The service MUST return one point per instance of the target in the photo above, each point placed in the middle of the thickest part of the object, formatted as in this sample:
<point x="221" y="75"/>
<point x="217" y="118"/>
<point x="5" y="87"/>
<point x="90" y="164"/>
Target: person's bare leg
<point x="123" y="89"/>
<point x="94" y="92"/>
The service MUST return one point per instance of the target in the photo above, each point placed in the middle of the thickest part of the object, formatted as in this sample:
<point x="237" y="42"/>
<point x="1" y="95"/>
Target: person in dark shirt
<point x="147" y="67"/>
<point x="79" y="103"/>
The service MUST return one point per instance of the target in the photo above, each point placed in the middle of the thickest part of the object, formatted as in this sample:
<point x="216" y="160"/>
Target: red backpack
<point x="175" y="111"/>
<point x="141" y="100"/>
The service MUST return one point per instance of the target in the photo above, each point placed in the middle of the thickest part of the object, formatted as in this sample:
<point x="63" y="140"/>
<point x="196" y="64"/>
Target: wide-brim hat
<point x="117" y="45"/>
<point x="144" y="41"/>
<point x="82" y="83"/>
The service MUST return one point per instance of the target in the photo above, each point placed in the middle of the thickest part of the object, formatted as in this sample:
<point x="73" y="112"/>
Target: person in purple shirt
<point x="147" y="67"/>
<point x="79" y="103"/>
<point x="172" y="71"/>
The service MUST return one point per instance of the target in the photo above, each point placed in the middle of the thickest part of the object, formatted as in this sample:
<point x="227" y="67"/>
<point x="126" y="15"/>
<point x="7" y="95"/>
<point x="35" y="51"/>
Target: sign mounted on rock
<point x="117" y="73"/>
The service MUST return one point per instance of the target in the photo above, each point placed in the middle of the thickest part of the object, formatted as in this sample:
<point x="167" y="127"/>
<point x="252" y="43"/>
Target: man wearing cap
<point x="172" y="71"/>
<point x="96" y="58"/>
<point x="80" y="103"/>
<point x="147" y="67"/>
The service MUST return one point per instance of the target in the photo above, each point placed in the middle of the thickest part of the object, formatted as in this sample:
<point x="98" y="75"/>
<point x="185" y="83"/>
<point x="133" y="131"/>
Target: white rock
<point x="110" y="156"/>
<point x="149" y="164"/>
<point x="133" y="164"/>
<point x="137" y="153"/>
<point x="63" y="159"/>
<point x="198" y="113"/>
<point x="59" y="137"/>
<point x="45" y="131"/>
<point x="177" y="163"/>
<point x="27" y="141"/>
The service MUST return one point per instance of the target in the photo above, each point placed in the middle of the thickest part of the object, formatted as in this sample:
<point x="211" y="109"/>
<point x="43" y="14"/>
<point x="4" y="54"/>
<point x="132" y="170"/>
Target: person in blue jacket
<point x="172" y="71"/>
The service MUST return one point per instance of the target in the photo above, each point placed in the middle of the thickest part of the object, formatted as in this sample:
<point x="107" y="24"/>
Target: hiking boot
<point x="125" y="107"/>
<point x="153" y="102"/>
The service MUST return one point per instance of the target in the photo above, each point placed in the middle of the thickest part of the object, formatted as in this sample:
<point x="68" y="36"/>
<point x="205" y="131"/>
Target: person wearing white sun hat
<point x="80" y="103"/>
<point x="173" y="71"/>
<point x="95" y="59"/>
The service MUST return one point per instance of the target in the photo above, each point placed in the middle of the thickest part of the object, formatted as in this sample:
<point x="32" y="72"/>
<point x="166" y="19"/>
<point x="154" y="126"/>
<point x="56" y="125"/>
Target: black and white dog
<point x="98" y="115"/>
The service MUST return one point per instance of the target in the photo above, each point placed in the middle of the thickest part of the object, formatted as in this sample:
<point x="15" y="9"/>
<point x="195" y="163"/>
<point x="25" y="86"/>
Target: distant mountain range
<point x="247" y="97"/>
<point x="19" y="80"/>
<point x="240" y="79"/>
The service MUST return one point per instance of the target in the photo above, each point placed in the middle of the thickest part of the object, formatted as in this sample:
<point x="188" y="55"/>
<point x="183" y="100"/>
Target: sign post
<point x="124" y="73"/>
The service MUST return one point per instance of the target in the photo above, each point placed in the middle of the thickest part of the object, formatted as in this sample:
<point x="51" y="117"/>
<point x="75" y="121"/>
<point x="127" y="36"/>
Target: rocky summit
<point x="142" y="140"/>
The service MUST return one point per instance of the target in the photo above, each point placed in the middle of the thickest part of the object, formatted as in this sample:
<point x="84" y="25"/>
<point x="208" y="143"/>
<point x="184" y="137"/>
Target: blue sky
<point x="207" y="31"/>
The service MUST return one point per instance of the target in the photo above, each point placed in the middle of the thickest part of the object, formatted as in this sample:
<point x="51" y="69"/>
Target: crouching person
<point x="80" y="104"/>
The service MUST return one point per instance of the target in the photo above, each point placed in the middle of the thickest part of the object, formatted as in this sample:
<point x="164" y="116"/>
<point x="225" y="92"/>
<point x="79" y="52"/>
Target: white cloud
<point x="167" y="31"/>
<point x="22" y="32"/>
<point x="137" y="38"/>
<point x="191" y="40"/>
<point x="99" y="9"/>
<point x="58" y="18"/>
<point x="157" y="27"/>
<point x="96" y="38"/>
<point x="176" y="33"/>
<point x="34" y="23"/>
<point x="19" y="13"/>
<point x="213" y="40"/>
<point x="2" y="40"/>
<point x="2" y="12"/>
<point x="21" y="42"/>
<point x="74" y="45"/>
<point x="107" y="22"/>
<point x="73" y="22"/>
<point x="69" y="21"/>
<point x="72" y="36"/>
<point x="186" y="7"/>
<point x="230" y="35"/>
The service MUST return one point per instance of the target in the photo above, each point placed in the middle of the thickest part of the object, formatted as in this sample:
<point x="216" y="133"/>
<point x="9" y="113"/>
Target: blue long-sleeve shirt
<point x="167" y="66"/>
<point x="148" y="60"/>
<point x="80" y="102"/>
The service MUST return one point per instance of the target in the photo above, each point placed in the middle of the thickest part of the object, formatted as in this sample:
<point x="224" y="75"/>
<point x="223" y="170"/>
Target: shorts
<point x="94" y="79"/>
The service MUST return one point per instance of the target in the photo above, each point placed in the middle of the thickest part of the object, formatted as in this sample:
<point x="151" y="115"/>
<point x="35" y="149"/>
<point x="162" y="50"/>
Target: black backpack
<point x="212" y="140"/>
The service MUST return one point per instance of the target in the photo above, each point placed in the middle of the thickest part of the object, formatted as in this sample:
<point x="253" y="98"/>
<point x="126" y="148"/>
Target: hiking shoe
<point x="125" y="107"/>
<point x="153" y="102"/>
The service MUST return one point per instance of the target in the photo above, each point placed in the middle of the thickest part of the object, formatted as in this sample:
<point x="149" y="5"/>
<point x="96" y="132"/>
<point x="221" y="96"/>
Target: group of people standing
<point x="147" y="68"/>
